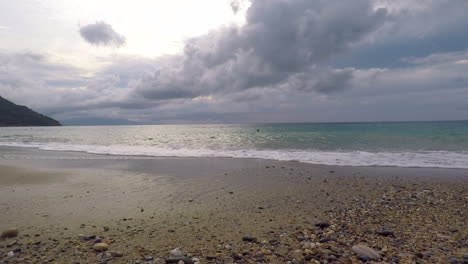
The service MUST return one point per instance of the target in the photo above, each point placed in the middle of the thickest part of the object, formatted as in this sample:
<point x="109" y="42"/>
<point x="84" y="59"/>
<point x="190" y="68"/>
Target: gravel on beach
<point x="300" y="216"/>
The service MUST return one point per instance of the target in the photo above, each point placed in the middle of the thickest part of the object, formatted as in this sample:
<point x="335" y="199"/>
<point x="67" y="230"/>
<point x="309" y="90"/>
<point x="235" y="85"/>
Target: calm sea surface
<point x="419" y="144"/>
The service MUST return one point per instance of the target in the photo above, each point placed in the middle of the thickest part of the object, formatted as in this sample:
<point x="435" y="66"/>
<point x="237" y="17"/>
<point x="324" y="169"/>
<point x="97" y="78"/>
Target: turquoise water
<point x="417" y="144"/>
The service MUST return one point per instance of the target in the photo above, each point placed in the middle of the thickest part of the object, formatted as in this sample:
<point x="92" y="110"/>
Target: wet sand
<point x="63" y="203"/>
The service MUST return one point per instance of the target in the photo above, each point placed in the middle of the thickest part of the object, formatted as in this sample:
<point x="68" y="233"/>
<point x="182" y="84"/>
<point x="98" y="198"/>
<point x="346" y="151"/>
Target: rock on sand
<point x="11" y="232"/>
<point x="176" y="253"/>
<point x="100" y="247"/>
<point x="365" y="251"/>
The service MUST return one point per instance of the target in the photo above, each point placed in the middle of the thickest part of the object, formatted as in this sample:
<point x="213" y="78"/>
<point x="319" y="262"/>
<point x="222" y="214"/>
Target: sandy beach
<point x="224" y="210"/>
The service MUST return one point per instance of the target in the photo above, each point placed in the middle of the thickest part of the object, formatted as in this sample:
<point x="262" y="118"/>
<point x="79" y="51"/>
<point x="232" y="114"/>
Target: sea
<point x="401" y="144"/>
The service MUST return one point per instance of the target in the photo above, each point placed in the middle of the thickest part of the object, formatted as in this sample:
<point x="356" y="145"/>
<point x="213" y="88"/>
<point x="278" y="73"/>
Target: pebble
<point x="116" y="254"/>
<point x="9" y="233"/>
<point x="10" y="254"/>
<point x="322" y="225"/>
<point x="327" y="239"/>
<point x="12" y="243"/>
<point x="385" y="233"/>
<point x="100" y="247"/>
<point x="364" y="258"/>
<point x="365" y="251"/>
<point x="249" y="239"/>
<point x="87" y="238"/>
<point x="176" y="252"/>
<point x="185" y="260"/>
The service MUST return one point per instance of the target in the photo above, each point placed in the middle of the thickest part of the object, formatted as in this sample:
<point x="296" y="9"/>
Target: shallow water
<point x="407" y="144"/>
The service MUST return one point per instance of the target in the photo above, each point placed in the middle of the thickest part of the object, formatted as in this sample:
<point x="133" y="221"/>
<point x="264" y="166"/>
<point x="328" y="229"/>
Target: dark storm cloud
<point x="281" y="41"/>
<point x="412" y="29"/>
<point x="101" y="34"/>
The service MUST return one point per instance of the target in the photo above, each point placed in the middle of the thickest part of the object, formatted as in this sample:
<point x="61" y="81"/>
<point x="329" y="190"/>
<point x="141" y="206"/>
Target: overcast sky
<point x="216" y="61"/>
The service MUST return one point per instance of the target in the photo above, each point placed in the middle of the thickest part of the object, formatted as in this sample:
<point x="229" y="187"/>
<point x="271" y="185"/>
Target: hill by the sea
<point x="18" y="115"/>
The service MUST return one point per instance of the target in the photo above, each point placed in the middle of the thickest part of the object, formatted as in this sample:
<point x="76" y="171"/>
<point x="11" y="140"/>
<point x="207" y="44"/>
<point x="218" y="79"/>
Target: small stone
<point x="12" y="243"/>
<point x="184" y="260"/>
<point x="300" y="238"/>
<point x="365" y="251"/>
<point x="176" y="252"/>
<point x="327" y="239"/>
<point x="100" y="247"/>
<point x="322" y="225"/>
<point x="249" y="239"/>
<point x="87" y="238"/>
<point x="9" y="233"/>
<point x="385" y="233"/>
<point x="10" y="254"/>
<point x="116" y="254"/>
<point x="364" y="258"/>
<point x="149" y="258"/>
<point x="211" y="257"/>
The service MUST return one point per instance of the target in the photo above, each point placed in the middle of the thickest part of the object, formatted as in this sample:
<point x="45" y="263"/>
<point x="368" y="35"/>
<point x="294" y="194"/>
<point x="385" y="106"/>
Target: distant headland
<point x="12" y="115"/>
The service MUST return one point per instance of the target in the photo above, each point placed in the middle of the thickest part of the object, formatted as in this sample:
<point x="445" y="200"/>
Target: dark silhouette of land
<point x="17" y="115"/>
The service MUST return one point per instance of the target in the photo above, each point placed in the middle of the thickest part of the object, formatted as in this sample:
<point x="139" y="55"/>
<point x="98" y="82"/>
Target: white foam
<point x="429" y="159"/>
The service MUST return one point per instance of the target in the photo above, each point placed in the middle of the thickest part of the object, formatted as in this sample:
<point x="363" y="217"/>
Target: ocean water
<point x="417" y="144"/>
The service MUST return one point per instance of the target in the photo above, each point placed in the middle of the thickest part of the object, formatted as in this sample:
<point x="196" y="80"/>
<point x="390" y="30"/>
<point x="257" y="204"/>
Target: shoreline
<point x="147" y="207"/>
<point x="131" y="156"/>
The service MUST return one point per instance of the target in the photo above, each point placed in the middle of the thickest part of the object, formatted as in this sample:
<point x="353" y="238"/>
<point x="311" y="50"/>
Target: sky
<point x="236" y="61"/>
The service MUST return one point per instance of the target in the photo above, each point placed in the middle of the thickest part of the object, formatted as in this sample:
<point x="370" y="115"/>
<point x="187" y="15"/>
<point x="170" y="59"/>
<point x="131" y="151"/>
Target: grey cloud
<point x="102" y="34"/>
<point x="235" y="6"/>
<point x="276" y="67"/>
<point x="281" y="41"/>
<point x="59" y="90"/>
<point x="412" y="29"/>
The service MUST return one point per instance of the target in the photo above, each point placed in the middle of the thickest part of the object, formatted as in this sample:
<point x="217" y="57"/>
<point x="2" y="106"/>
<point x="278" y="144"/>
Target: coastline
<point x="206" y="205"/>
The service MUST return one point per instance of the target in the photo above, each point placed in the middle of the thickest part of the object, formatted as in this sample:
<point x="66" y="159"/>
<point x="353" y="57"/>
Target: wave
<point x="424" y="159"/>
